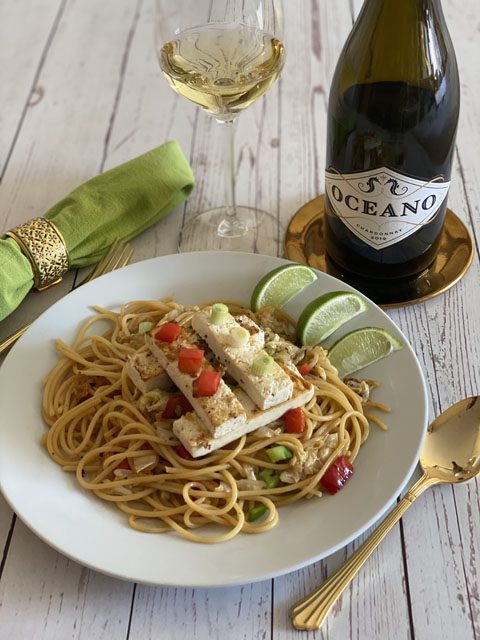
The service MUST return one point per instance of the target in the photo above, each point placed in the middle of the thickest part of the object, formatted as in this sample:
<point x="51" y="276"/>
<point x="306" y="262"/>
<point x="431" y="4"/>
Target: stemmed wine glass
<point x="222" y="55"/>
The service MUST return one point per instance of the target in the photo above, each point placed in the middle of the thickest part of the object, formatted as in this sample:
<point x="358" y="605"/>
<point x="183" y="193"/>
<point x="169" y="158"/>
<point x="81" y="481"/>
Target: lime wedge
<point x="280" y="285"/>
<point x="324" y="315"/>
<point x="360" y="348"/>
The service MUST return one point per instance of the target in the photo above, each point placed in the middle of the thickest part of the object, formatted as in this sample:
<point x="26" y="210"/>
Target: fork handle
<point x="312" y="611"/>
<point x="11" y="339"/>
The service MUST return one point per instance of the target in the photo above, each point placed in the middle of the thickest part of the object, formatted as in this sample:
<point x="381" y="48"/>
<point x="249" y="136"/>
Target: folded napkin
<point x="119" y="203"/>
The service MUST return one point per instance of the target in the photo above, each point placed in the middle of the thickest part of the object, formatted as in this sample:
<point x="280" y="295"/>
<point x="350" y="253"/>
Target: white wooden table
<point x="81" y="92"/>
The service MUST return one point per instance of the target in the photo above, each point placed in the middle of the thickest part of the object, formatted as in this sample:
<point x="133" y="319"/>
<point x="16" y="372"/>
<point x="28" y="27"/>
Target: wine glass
<point x="222" y="55"/>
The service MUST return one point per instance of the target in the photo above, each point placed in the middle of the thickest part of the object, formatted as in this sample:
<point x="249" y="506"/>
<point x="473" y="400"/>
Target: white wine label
<point x="383" y="207"/>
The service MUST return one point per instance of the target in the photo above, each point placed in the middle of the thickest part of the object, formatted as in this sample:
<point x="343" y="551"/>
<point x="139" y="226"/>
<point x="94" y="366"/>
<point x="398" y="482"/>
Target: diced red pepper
<point x="206" y="384"/>
<point x="183" y="453"/>
<point x="124" y="464"/>
<point x="337" y="474"/>
<point x="168" y="332"/>
<point x="190" y="360"/>
<point x="294" y="420"/>
<point x="176" y="406"/>
<point x="304" y="369"/>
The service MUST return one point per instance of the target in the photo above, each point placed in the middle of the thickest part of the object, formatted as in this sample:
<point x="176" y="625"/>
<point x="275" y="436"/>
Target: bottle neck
<point x="402" y="40"/>
<point x="402" y="10"/>
<point x="403" y="6"/>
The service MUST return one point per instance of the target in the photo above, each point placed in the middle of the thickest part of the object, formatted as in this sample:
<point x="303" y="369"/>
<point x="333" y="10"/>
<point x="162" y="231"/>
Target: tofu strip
<point x="220" y="413"/>
<point x="265" y="391"/>
<point x="192" y="433"/>
<point x="147" y="373"/>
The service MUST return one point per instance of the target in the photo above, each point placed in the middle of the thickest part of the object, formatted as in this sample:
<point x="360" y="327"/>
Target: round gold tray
<point x="304" y="243"/>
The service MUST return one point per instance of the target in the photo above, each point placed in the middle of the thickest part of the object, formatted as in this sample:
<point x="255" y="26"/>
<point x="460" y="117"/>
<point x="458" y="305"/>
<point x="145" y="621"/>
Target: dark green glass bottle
<point x="392" y="119"/>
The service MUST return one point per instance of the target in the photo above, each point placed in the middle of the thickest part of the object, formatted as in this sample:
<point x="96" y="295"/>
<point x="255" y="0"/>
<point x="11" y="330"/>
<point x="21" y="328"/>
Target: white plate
<point x="95" y="534"/>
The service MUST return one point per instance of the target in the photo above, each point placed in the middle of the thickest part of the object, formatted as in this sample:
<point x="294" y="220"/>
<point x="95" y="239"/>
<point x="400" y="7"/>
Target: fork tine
<point x="106" y="264"/>
<point x="120" y="257"/>
<point x="128" y="257"/>
<point x="103" y="265"/>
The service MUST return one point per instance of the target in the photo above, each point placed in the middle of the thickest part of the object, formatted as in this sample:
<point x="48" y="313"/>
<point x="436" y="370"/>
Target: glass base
<point x="252" y="230"/>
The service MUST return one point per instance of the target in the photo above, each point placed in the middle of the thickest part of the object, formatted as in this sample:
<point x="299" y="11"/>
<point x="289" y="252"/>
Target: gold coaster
<point x="304" y="244"/>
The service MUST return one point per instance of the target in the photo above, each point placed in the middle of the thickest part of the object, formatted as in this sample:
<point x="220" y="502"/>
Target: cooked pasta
<point x="113" y="437"/>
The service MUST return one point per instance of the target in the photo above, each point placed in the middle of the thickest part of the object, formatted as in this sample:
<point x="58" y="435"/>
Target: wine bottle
<point x="392" y="120"/>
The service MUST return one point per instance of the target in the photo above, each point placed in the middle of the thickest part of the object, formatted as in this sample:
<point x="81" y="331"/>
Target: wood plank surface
<point x="86" y="94"/>
<point x="21" y="65"/>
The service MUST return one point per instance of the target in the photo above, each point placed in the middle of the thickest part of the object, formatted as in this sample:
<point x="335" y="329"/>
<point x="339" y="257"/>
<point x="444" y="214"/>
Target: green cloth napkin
<point x="119" y="203"/>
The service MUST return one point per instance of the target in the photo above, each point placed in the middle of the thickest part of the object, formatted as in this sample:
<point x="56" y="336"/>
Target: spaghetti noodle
<point x="114" y="439"/>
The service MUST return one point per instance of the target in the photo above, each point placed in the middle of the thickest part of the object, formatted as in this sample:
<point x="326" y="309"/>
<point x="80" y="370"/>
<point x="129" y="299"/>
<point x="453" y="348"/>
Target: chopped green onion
<point x="256" y="512"/>
<point x="270" y="477"/>
<point x="165" y="496"/>
<point x="143" y="327"/>
<point x="219" y="313"/>
<point x="263" y="365"/>
<point x="279" y="453"/>
<point x="238" y="337"/>
<point x="178" y="410"/>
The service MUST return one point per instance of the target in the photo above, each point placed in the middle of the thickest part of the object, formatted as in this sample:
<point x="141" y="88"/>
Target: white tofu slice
<point x="147" y="373"/>
<point x="167" y="352"/>
<point x="221" y="412"/>
<point x="192" y="433"/>
<point x="265" y="391"/>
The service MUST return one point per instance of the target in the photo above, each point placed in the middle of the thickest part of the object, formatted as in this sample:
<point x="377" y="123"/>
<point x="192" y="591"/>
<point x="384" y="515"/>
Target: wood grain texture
<point x="87" y="94"/>
<point x="21" y="65"/>
<point x="48" y="597"/>
<point x="237" y="613"/>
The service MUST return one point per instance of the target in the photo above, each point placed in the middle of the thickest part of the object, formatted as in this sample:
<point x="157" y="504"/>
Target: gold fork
<point x="119" y="255"/>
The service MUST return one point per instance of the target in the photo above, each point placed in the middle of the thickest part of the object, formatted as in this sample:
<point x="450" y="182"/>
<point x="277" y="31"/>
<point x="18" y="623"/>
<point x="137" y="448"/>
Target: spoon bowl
<point x="451" y="452"/>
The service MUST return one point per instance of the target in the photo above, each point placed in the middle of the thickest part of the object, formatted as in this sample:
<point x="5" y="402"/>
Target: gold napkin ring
<point x="43" y="245"/>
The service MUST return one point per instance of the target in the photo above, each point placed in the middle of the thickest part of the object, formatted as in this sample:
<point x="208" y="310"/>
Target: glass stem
<point x="230" y="162"/>
<point x="230" y="226"/>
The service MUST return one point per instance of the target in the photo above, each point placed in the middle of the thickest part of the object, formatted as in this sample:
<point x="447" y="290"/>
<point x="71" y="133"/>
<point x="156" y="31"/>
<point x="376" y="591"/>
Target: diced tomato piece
<point x="168" y="332"/>
<point x="183" y="453"/>
<point x="294" y="420"/>
<point x="206" y="384"/>
<point x="124" y="464"/>
<point x="304" y="369"/>
<point x="337" y="474"/>
<point x="176" y="406"/>
<point x="190" y="360"/>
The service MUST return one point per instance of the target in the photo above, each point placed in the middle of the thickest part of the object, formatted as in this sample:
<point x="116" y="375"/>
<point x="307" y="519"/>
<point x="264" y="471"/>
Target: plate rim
<point x="234" y="581"/>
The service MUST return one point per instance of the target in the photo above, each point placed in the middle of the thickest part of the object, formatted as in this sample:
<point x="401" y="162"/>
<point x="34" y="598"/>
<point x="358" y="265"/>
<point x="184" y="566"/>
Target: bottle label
<point x="383" y="207"/>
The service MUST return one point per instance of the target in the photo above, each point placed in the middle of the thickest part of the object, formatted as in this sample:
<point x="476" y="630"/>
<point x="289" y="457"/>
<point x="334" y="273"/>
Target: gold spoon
<point x="451" y="454"/>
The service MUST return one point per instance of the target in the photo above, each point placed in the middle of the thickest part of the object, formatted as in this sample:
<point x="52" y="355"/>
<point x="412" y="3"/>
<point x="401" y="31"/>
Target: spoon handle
<point x="312" y="611"/>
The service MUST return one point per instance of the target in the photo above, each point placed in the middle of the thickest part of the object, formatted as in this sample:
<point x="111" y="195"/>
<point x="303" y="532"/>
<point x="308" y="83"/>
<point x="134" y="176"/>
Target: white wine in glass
<point x="222" y="55"/>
